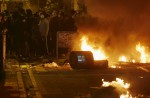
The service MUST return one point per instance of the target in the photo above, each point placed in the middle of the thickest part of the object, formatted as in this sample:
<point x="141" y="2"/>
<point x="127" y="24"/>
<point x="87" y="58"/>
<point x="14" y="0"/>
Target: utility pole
<point x="4" y="49"/>
<point x="2" y="58"/>
<point x="4" y="7"/>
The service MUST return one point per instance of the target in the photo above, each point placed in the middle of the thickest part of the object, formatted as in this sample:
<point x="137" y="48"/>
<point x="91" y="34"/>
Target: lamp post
<point x="3" y="7"/>
<point x="2" y="57"/>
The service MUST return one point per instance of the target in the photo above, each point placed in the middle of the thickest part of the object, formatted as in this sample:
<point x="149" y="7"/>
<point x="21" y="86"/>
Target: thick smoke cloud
<point x="118" y="24"/>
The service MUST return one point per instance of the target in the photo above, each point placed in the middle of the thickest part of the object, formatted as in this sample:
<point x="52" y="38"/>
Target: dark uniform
<point x="2" y="73"/>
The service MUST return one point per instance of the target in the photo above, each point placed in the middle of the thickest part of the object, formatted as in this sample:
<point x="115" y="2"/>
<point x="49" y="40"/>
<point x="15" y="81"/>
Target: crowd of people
<point x="34" y="34"/>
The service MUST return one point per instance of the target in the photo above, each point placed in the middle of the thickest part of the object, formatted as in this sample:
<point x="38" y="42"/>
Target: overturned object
<point x="104" y="92"/>
<point x="81" y="59"/>
<point x="101" y="63"/>
<point x="85" y="60"/>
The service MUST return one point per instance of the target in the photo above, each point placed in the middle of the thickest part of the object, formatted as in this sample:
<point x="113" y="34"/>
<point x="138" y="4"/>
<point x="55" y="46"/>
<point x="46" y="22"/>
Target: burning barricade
<point x="85" y="60"/>
<point x="114" y="89"/>
<point x="92" y="56"/>
<point x="88" y="57"/>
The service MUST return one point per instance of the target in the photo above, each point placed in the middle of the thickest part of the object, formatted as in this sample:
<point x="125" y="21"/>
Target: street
<point x="49" y="80"/>
<point x="56" y="82"/>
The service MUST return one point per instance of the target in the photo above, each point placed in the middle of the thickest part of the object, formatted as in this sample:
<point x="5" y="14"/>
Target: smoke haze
<point x="118" y="24"/>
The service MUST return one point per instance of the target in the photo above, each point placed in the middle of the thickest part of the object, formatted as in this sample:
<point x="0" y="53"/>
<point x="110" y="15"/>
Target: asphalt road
<point x="66" y="83"/>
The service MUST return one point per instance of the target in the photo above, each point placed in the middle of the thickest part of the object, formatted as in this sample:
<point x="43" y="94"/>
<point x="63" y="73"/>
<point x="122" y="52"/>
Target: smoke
<point x="118" y="24"/>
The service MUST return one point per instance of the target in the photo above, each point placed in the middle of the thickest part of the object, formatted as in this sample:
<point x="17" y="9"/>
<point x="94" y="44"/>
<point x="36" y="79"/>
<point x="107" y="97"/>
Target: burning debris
<point x="140" y="54"/>
<point x="119" y="84"/>
<point x="123" y="59"/>
<point x="104" y="92"/>
<point x="144" y="55"/>
<point x="114" y="89"/>
<point x="97" y="52"/>
<point x="117" y="26"/>
<point x="85" y="60"/>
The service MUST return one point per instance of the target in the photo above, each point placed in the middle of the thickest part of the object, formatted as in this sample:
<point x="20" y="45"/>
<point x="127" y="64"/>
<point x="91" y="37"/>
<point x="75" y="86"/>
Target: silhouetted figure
<point x="36" y="37"/>
<point x="28" y="33"/>
<point x="54" y="28"/>
<point x="44" y="29"/>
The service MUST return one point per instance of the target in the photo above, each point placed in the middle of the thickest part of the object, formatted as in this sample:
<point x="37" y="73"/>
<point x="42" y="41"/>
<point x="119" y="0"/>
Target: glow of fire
<point x="122" y="59"/>
<point x="121" y="87"/>
<point x="133" y="61"/>
<point x="97" y="53"/>
<point x="142" y="51"/>
<point x="114" y="66"/>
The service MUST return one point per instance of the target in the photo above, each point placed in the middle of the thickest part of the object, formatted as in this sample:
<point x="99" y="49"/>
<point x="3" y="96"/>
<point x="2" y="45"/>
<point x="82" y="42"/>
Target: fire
<point x="133" y="61"/>
<point x="121" y="87"/>
<point x="125" y="59"/>
<point x="144" y="56"/>
<point x="97" y="53"/>
<point x="142" y="51"/>
<point x="122" y="59"/>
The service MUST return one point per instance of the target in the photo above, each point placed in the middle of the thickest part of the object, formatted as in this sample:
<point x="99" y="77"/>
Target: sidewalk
<point x="10" y="88"/>
<point x="14" y="86"/>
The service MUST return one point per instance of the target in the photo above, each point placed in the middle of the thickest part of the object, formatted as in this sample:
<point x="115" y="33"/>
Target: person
<point x="44" y="29"/>
<point x="54" y="28"/>
<point x="35" y="37"/>
<point x="29" y="32"/>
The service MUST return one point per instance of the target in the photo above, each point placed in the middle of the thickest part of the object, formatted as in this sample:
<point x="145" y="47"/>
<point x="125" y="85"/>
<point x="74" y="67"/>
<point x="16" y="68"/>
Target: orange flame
<point x="120" y="85"/>
<point x="97" y="53"/>
<point x="142" y="51"/>
<point x="122" y="59"/>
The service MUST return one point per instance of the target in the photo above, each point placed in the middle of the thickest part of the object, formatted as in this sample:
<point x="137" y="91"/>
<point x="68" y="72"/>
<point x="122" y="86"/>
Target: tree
<point x="52" y="5"/>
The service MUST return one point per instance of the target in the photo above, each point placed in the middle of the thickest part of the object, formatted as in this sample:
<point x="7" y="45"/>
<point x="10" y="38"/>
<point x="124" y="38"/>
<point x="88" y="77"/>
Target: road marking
<point x="21" y="85"/>
<point x="38" y="94"/>
<point x="144" y="69"/>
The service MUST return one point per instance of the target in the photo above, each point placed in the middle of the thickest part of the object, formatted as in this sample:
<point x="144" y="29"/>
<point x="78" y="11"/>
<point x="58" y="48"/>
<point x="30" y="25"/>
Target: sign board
<point x="3" y="7"/>
<point x="65" y="39"/>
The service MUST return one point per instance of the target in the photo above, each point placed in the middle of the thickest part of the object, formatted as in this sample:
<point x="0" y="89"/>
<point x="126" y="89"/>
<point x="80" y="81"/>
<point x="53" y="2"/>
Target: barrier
<point x="81" y="59"/>
<point x="85" y="60"/>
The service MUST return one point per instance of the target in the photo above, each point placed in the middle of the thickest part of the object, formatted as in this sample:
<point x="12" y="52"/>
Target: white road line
<point x="144" y="69"/>
<point x="38" y="93"/>
<point x="21" y="85"/>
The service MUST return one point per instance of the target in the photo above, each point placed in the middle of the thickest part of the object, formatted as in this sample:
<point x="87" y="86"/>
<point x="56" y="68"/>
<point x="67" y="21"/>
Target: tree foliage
<point x="53" y="5"/>
<point x="63" y="5"/>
